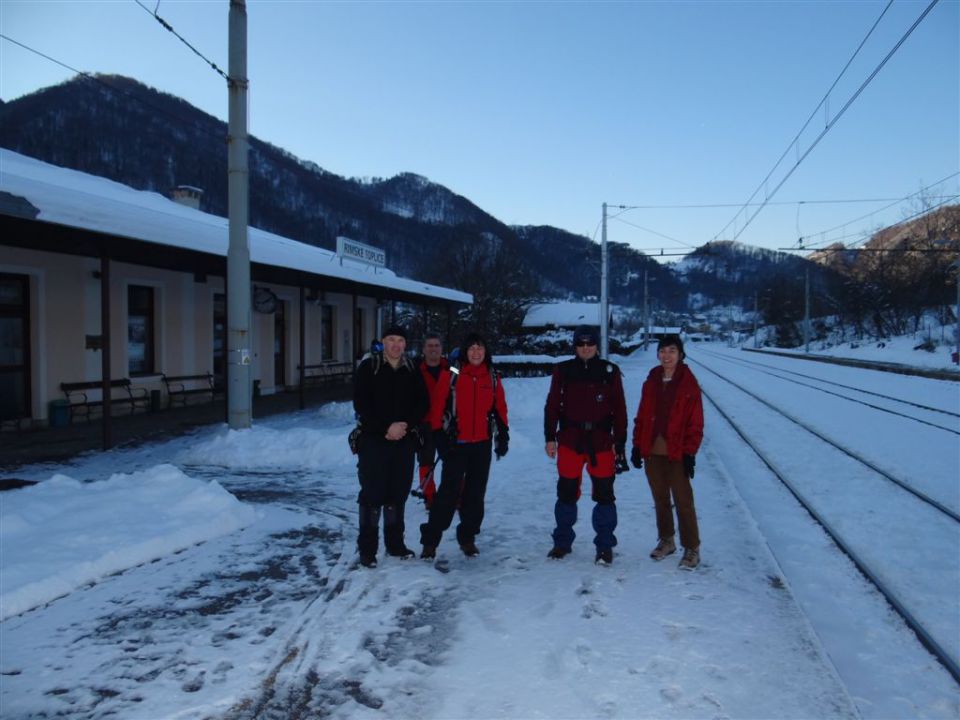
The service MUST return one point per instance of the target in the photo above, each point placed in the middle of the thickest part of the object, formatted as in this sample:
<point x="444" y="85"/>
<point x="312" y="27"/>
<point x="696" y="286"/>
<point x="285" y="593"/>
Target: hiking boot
<point x="690" y="560"/>
<point x="665" y="547"/>
<point x="469" y="549"/>
<point x="558" y="553"/>
<point x="402" y="552"/>
<point x="604" y="557"/>
<point x="368" y="561"/>
<point x="429" y="552"/>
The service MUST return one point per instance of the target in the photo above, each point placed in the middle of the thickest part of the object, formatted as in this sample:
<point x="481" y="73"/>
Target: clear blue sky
<point x="541" y="111"/>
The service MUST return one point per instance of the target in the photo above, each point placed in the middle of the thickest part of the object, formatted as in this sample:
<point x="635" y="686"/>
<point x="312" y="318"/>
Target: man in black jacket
<point x="390" y="399"/>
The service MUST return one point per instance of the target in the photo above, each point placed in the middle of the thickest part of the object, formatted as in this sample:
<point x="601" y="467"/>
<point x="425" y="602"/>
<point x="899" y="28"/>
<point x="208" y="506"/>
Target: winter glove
<point x="620" y="460"/>
<point x="636" y="458"/>
<point x="689" y="461"/>
<point x="502" y="443"/>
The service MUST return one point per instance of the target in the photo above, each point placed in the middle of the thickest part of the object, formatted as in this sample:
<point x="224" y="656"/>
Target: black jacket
<point x="382" y="395"/>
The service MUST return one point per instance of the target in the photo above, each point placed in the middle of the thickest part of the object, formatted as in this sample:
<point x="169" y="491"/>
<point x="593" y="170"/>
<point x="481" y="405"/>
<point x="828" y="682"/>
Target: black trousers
<point x="466" y="469"/>
<point x="385" y="470"/>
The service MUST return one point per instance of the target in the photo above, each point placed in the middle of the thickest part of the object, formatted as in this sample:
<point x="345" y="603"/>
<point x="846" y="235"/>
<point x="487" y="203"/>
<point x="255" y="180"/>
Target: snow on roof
<point x="77" y="199"/>
<point x="563" y="314"/>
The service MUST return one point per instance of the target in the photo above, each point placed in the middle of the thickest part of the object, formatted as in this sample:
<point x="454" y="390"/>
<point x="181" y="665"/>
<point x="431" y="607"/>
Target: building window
<point x="14" y="346"/>
<point x="359" y="348"/>
<point x="219" y="340"/>
<point x="140" y="330"/>
<point x="326" y="332"/>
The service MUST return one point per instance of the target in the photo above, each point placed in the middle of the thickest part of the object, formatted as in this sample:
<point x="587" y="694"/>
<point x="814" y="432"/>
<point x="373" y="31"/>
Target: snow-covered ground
<point x="902" y="350"/>
<point x="214" y="576"/>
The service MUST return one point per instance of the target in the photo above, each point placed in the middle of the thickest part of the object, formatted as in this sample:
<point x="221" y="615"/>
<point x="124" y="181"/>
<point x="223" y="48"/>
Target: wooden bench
<point x="328" y="373"/>
<point x="81" y="403"/>
<point x="181" y="387"/>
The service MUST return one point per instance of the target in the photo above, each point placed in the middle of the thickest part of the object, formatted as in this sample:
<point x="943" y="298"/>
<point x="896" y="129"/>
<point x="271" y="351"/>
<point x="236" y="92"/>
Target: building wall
<point x="65" y="310"/>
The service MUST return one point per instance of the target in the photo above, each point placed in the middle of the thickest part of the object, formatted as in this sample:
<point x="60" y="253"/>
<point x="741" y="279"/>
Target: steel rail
<point x="896" y="481"/>
<point x="774" y="372"/>
<point x="925" y="638"/>
<point x="832" y="382"/>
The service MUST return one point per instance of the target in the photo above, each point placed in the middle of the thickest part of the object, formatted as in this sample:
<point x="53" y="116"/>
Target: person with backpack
<point x="433" y="367"/>
<point x="585" y="425"/>
<point x="469" y="418"/>
<point x="390" y="400"/>
<point x="667" y="433"/>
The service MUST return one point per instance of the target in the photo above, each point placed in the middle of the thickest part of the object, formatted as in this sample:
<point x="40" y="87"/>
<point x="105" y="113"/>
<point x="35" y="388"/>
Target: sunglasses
<point x="585" y="343"/>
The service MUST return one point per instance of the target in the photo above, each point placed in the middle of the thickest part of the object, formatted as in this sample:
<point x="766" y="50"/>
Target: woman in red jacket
<point x="477" y="404"/>
<point x="666" y="435"/>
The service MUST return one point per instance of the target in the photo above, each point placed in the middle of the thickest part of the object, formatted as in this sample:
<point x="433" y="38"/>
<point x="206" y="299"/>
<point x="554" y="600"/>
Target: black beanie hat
<point x="668" y="340"/>
<point x="474" y="338"/>
<point x="585" y="332"/>
<point x="395" y="330"/>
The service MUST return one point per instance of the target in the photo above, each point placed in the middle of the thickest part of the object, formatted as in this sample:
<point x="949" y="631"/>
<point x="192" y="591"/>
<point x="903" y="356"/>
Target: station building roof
<point x="83" y="214"/>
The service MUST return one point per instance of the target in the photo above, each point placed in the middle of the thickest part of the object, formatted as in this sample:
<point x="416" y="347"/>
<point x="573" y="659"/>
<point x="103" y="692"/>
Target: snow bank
<point x="61" y="534"/>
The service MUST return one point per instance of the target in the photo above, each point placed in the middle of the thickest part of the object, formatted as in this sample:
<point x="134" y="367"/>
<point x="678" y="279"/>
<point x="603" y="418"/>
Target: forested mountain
<point x="117" y="128"/>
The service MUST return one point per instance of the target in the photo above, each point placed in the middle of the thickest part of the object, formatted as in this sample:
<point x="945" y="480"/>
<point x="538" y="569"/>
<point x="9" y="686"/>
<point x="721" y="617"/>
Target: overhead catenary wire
<point x="169" y="27"/>
<point x="863" y="238"/>
<point x="796" y="137"/>
<point x="111" y="88"/>
<point x="886" y="207"/>
<point x="706" y="206"/>
<point x="830" y="124"/>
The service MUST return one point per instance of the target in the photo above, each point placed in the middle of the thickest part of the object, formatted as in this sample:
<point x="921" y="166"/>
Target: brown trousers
<point x="666" y="478"/>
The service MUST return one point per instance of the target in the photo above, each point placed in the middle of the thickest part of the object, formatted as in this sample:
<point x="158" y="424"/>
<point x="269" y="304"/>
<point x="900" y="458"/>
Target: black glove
<point x="636" y="458"/>
<point x="620" y="464"/>
<point x="502" y="443"/>
<point x="689" y="462"/>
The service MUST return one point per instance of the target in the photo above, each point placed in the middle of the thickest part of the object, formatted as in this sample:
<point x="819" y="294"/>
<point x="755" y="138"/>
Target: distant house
<point x="80" y="254"/>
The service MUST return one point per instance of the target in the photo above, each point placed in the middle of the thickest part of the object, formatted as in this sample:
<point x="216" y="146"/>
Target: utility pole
<point x="604" y="314"/>
<point x="956" y="266"/>
<point x="756" y="312"/>
<point x="646" y="316"/>
<point x="806" y="310"/>
<point x="238" y="255"/>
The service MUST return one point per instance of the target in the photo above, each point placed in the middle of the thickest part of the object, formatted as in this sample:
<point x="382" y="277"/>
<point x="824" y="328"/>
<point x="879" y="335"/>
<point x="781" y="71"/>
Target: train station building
<point x="89" y="266"/>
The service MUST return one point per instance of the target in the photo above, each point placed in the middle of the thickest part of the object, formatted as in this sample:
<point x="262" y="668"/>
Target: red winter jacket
<point x="432" y="385"/>
<point x="685" y="425"/>
<point x="474" y="391"/>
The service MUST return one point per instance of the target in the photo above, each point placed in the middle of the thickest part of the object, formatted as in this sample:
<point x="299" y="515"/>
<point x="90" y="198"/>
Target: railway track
<point x="874" y="547"/>
<point x="817" y="383"/>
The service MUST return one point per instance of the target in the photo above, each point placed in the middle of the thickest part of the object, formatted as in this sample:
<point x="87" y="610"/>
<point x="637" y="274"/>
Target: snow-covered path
<point x="275" y="622"/>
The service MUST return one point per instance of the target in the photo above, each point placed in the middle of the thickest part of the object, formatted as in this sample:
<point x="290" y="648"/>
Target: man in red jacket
<point x="433" y="367"/>
<point x="586" y="402"/>
<point x="667" y="433"/>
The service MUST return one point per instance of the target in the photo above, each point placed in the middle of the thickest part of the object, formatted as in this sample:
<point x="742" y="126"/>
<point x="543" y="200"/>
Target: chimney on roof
<point x="187" y="195"/>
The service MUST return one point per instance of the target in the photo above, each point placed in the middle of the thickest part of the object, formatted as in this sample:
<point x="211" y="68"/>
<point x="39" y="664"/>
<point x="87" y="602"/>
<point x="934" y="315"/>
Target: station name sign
<point x="347" y="248"/>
